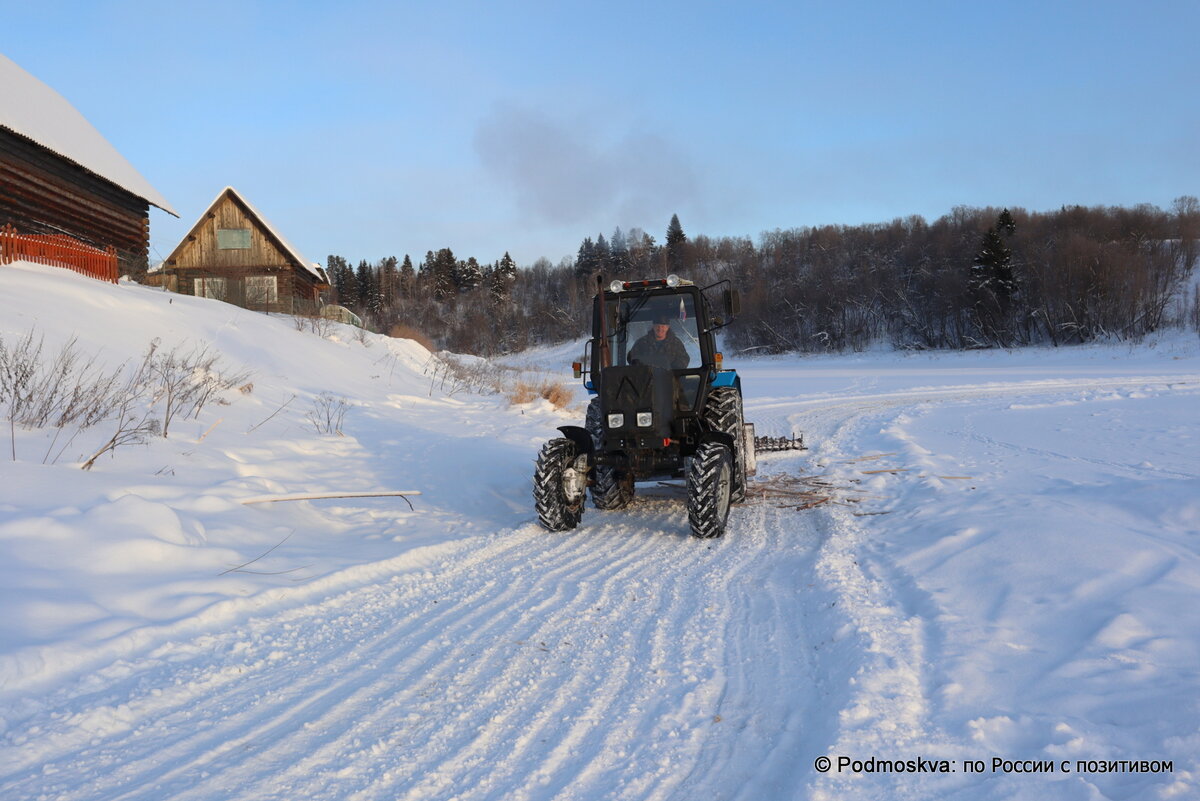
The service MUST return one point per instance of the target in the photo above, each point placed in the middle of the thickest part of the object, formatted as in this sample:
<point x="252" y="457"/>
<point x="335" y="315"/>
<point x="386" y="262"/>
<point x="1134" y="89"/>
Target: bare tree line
<point x="976" y="277"/>
<point x="971" y="280"/>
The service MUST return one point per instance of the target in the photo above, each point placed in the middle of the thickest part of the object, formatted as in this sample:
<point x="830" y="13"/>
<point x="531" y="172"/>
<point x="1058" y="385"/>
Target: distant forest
<point x="976" y="277"/>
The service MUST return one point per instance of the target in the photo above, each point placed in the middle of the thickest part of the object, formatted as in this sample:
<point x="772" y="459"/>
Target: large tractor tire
<point x="723" y="412"/>
<point x="611" y="488"/>
<point x="558" y="488"/>
<point x="709" y="487"/>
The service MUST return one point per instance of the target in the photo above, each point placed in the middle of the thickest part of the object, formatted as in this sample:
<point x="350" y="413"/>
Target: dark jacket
<point x="668" y="353"/>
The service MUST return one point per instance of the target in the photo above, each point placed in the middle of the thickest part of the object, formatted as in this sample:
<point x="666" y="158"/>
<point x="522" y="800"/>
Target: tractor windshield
<point x="659" y="331"/>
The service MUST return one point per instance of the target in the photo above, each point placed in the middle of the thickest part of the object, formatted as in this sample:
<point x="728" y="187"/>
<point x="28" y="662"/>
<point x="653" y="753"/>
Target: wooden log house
<point x="234" y="254"/>
<point x="58" y="175"/>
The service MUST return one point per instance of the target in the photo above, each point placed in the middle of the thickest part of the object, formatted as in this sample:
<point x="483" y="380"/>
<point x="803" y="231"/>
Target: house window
<point x="233" y="239"/>
<point x="209" y="288"/>
<point x="262" y="289"/>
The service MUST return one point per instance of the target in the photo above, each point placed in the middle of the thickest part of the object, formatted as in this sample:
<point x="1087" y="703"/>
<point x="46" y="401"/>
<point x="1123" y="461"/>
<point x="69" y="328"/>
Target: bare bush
<point x="314" y="324"/>
<point x="62" y="391"/>
<point x="188" y="380"/>
<point x="133" y="416"/>
<point x="558" y="393"/>
<point x="328" y="412"/>
<point x="523" y="392"/>
<point x="452" y="375"/>
<point x="553" y="390"/>
<point x="66" y="391"/>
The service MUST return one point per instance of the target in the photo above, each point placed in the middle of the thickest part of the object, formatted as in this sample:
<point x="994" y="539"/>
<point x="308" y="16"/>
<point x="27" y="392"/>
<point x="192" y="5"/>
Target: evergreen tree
<point x="426" y="277"/>
<point x="992" y="282"/>
<point x="341" y="277"/>
<point x="992" y="269"/>
<point x="406" y="279"/>
<point x="468" y="275"/>
<point x="618" y="250"/>
<point x="367" y="286"/>
<point x="585" y="260"/>
<point x="444" y="266"/>
<point x="501" y="278"/>
<point x="1005" y="223"/>
<point x="508" y="268"/>
<point x="676" y="240"/>
<point x="389" y="282"/>
<point x="601" y="254"/>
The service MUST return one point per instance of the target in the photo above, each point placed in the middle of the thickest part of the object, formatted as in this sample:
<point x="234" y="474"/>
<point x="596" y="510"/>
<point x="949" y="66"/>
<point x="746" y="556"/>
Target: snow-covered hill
<point x="996" y="558"/>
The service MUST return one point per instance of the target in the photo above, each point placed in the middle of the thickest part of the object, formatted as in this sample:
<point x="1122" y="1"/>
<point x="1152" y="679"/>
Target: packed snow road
<point x="896" y="606"/>
<point x="626" y="660"/>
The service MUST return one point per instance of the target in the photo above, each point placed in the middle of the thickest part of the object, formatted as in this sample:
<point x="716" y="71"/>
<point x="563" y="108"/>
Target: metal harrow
<point x="795" y="443"/>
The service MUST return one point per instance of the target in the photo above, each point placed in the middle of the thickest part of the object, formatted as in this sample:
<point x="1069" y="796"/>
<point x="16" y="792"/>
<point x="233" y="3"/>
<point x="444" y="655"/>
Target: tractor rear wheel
<point x="723" y="412"/>
<point x="709" y="487"/>
<point x="558" y="488"/>
<point x="611" y="488"/>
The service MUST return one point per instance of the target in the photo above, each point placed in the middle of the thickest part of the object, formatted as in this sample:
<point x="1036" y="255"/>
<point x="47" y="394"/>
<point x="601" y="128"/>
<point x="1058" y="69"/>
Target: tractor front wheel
<point x="709" y="487"/>
<point x="559" y="486"/>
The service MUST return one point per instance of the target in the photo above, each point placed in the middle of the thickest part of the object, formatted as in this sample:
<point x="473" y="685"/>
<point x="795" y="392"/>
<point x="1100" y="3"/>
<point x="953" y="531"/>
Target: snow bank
<point x="148" y="538"/>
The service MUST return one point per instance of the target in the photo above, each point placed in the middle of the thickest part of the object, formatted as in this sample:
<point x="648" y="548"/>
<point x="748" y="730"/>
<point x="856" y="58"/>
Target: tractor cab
<point x="665" y="324"/>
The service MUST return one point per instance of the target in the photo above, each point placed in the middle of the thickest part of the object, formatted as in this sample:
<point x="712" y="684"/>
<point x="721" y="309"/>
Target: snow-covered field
<point x="1007" y="567"/>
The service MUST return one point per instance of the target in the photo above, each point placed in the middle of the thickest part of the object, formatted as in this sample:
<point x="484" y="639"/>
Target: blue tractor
<point x="663" y="407"/>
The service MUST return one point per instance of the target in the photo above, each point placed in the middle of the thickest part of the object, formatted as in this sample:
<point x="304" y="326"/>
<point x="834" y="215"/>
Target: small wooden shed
<point x="59" y="176"/>
<point x="234" y="254"/>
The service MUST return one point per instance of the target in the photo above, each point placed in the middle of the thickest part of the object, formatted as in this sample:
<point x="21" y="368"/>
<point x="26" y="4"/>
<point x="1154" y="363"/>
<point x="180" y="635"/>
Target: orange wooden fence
<point x="59" y="250"/>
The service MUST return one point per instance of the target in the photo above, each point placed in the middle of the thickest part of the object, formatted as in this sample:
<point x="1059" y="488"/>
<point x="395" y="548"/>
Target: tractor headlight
<point x="672" y="280"/>
<point x="616" y="286"/>
<point x="616" y="420"/>
<point x="645" y="419"/>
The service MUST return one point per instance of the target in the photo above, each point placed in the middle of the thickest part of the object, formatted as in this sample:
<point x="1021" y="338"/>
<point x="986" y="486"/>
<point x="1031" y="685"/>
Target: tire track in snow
<point x="502" y="715"/>
<point x="419" y="654"/>
<point x="277" y="682"/>
<point x="243" y="752"/>
<point x="577" y="728"/>
<point x="772" y="700"/>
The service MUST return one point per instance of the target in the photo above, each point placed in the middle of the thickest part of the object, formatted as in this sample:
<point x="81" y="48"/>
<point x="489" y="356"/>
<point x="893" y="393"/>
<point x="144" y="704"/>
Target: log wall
<point x="44" y="193"/>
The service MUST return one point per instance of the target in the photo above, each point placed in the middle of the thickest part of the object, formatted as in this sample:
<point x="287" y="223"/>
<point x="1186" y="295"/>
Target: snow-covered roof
<point x="289" y="249"/>
<point x="34" y="110"/>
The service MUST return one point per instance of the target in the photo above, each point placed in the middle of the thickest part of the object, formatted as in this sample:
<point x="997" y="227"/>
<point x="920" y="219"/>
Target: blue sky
<point x="372" y="129"/>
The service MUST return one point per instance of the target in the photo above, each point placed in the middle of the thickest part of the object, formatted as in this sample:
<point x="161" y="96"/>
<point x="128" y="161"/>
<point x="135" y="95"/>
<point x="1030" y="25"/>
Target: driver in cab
<point x="659" y="347"/>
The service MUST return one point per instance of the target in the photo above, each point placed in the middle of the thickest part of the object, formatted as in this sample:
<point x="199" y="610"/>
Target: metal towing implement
<point x="664" y="407"/>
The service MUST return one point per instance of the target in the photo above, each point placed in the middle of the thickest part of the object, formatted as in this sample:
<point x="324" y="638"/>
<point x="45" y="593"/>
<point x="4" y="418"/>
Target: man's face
<point x="660" y="330"/>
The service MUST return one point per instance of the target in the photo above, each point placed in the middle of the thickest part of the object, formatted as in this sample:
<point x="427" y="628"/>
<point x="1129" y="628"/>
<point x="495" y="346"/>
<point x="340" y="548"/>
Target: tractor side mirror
<point x="733" y="302"/>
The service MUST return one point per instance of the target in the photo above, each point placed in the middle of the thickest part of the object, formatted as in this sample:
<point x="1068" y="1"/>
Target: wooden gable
<point x="209" y="246"/>
<point x="235" y="255"/>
